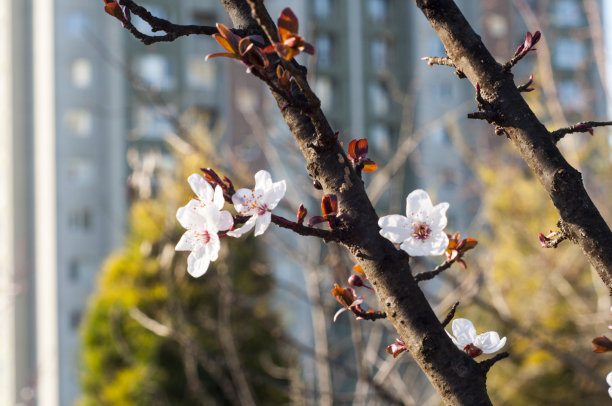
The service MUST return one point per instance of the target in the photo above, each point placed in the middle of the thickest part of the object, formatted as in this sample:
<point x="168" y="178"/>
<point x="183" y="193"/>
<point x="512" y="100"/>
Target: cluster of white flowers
<point x="421" y="231"/>
<point x="204" y="217"/>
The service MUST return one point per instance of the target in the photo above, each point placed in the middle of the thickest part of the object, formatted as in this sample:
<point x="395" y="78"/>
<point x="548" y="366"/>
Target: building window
<point x="81" y="171"/>
<point x="77" y="24"/>
<point x="152" y="123"/>
<point x="81" y="73"/>
<point x="80" y="220"/>
<point x="569" y="53"/>
<point x="323" y="46"/>
<point x="324" y="88"/>
<point x="79" y="121"/>
<point x="571" y="95"/>
<point x="377" y="9"/>
<point x="156" y="72"/>
<point x="75" y="319"/>
<point x="201" y="74"/>
<point x="566" y="13"/>
<point x="379" y="99"/>
<point x="322" y="8"/>
<point x="379" y="54"/>
<point x="73" y="271"/>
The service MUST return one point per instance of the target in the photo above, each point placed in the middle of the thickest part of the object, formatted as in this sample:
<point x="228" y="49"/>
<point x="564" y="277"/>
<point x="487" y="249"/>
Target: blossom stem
<point x="326" y="235"/>
<point x="424" y="276"/>
<point x="488" y="363"/>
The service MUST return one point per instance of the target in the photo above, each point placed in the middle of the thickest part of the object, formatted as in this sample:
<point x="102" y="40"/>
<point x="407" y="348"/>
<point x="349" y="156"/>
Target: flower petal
<point x="339" y="312"/>
<point x="226" y="221"/>
<point x="489" y="342"/>
<point x="188" y="242"/>
<point x="246" y="227"/>
<point x="201" y="188"/>
<point x="464" y="331"/>
<point x="218" y="200"/>
<point x="274" y="194"/>
<point x="263" y="180"/>
<point x="211" y="249"/>
<point x="609" y="378"/>
<point x="455" y="341"/>
<point x="418" y="201"/>
<point x="394" y="228"/>
<point x="437" y="216"/>
<point x="197" y="263"/>
<point x="189" y="216"/>
<point x="262" y="222"/>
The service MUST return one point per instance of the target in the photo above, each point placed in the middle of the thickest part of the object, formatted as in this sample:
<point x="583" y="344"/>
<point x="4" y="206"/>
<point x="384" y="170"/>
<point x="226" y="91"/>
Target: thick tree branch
<point x="583" y="223"/>
<point x="457" y="377"/>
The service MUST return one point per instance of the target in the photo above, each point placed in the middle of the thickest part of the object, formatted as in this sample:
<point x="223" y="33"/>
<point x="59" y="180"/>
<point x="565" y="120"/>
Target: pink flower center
<point x="252" y="204"/>
<point x="204" y="237"/>
<point x="421" y="231"/>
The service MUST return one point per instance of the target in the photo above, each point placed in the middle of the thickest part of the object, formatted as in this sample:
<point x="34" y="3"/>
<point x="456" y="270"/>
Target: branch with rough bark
<point x="580" y="219"/>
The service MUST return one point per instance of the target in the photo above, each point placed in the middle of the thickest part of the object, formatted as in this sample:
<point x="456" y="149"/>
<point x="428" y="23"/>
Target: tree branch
<point x="584" y="224"/>
<point x="582" y="127"/>
<point x="457" y="378"/>
<point x="488" y="363"/>
<point x="450" y="315"/>
<point x="173" y="31"/>
<point x="443" y="60"/>
<point x="425" y="276"/>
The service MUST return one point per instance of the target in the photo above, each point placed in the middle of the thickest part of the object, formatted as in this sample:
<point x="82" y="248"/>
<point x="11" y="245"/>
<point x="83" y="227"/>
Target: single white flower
<point x="258" y="203"/>
<point x="421" y="232"/>
<point x="609" y="380"/>
<point x="203" y="219"/>
<point x="466" y="339"/>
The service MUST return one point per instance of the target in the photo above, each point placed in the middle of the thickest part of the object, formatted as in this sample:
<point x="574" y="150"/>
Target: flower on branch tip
<point x="347" y="298"/>
<point x="357" y="154"/>
<point x="457" y="248"/>
<point x="421" y="231"/>
<point x="258" y="203"/>
<point x="528" y="43"/>
<point x="203" y="218"/>
<point x="121" y="13"/>
<point x="609" y="380"/>
<point x="602" y="344"/>
<point x="465" y="338"/>
<point x="396" y="348"/>
<point x="245" y="49"/>
<point x="290" y="43"/>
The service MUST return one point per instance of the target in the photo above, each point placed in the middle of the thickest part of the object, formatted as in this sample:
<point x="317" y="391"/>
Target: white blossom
<point x="421" y="232"/>
<point x="465" y="338"/>
<point x="609" y="380"/>
<point x="203" y="219"/>
<point x="258" y="203"/>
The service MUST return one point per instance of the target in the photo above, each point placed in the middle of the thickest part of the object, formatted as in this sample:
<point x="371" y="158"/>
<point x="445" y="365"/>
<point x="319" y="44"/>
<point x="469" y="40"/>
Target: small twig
<point x="424" y="276"/>
<point x="582" y="127"/>
<point x="482" y="115"/>
<point x="525" y="86"/>
<point x="443" y="60"/>
<point x="372" y="316"/>
<point x="488" y="363"/>
<point x="450" y="315"/>
<point x="173" y="31"/>
<point x="326" y="235"/>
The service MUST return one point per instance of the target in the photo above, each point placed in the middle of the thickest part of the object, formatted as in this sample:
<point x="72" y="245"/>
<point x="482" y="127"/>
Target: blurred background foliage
<point x="153" y="335"/>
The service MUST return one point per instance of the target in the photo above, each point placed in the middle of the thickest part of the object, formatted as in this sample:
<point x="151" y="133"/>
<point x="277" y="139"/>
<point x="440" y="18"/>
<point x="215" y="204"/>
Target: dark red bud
<point x="317" y="185"/>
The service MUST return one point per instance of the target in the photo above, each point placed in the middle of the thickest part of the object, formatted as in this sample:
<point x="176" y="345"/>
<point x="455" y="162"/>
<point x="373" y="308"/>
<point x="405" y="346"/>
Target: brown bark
<point x="580" y="219"/>
<point x="458" y="378"/>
